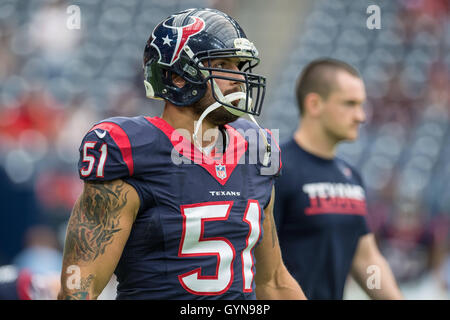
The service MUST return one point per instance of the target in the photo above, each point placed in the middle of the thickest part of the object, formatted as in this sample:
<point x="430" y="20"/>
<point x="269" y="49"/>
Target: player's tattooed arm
<point x="95" y="220"/>
<point x="97" y="231"/>
<point x="83" y="292"/>
<point x="272" y="279"/>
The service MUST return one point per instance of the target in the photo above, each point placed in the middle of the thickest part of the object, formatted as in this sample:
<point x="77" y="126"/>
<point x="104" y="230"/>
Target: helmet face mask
<point x="252" y="85"/>
<point x="185" y="44"/>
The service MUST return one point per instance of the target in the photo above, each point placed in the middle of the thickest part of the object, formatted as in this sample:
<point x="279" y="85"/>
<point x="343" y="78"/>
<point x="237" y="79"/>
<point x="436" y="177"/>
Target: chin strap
<point x="263" y="133"/>
<point x="228" y="99"/>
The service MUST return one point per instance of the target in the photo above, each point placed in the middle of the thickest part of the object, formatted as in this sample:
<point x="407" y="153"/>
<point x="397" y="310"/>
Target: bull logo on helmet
<point x="170" y="40"/>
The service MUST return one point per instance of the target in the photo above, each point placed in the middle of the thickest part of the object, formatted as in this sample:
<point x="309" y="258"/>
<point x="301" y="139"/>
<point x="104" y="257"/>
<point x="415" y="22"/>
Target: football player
<point x="321" y="206"/>
<point x="180" y="206"/>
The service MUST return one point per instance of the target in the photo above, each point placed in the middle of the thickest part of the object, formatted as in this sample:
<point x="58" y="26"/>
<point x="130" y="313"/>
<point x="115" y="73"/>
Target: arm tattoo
<point x="95" y="219"/>
<point x="83" y="292"/>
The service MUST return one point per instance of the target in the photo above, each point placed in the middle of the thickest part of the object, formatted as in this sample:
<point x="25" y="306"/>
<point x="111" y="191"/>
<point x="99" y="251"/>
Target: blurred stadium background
<point x="56" y="82"/>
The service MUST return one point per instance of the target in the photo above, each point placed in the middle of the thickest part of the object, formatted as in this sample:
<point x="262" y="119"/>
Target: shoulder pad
<point x="106" y="152"/>
<point x="263" y="143"/>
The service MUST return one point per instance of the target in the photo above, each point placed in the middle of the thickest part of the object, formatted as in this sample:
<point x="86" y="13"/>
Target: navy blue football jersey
<point x="320" y="213"/>
<point x="200" y="216"/>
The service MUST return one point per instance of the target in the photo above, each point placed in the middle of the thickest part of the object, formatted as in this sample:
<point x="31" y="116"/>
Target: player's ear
<point x="313" y="104"/>
<point x="178" y="81"/>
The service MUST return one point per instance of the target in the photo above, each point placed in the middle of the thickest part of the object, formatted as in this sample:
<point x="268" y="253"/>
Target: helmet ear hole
<point x="178" y="81"/>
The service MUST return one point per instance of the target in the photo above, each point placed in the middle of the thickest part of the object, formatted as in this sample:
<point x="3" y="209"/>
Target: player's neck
<point x="315" y="141"/>
<point x="184" y="118"/>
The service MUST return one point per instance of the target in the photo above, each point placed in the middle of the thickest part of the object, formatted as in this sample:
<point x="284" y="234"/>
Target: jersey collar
<point x="219" y="168"/>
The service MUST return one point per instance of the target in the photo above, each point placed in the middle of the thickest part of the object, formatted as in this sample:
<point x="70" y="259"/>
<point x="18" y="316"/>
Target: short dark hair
<point x="319" y="77"/>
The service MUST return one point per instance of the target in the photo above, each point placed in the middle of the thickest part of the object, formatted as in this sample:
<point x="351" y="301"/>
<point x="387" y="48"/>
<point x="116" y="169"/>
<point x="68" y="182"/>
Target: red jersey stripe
<point x="121" y="139"/>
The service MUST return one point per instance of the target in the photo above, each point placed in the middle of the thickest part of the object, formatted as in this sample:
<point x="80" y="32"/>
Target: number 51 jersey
<point x="200" y="217"/>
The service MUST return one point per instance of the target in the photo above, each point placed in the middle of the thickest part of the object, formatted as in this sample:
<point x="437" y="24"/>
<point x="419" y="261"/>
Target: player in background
<point x="320" y="210"/>
<point x="179" y="206"/>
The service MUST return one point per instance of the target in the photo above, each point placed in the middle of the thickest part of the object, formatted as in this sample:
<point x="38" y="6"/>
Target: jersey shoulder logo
<point x="100" y="134"/>
<point x="169" y="40"/>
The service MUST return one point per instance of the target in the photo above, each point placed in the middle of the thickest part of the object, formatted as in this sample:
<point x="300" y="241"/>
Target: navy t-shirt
<point x="320" y="212"/>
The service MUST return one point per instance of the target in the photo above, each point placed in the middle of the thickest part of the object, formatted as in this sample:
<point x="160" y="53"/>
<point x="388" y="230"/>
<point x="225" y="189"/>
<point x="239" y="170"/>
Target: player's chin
<point x="352" y="136"/>
<point x="221" y="116"/>
<point x="346" y="135"/>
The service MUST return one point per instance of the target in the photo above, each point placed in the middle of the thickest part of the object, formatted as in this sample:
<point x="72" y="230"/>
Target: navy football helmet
<point x="185" y="43"/>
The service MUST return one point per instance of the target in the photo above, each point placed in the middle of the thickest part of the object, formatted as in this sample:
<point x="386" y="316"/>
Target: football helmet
<point x="185" y="43"/>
